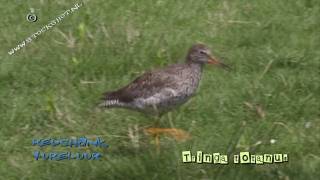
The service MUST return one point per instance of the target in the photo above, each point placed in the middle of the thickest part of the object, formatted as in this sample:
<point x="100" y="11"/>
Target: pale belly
<point x="164" y="101"/>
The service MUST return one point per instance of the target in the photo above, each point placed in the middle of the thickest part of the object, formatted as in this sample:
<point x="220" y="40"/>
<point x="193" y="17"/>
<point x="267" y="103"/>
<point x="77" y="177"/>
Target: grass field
<point x="268" y="103"/>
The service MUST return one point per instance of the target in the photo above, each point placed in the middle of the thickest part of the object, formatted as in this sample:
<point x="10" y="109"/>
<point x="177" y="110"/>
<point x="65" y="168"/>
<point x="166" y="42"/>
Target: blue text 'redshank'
<point x="79" y="142"/>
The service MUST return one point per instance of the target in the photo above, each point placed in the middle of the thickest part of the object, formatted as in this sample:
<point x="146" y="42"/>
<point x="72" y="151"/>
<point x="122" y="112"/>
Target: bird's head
<point x="201" y="54"/>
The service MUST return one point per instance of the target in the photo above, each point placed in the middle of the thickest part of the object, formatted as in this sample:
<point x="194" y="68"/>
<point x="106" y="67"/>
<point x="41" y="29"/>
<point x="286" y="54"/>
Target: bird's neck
<point x="197" y="67"/>
<point x="195" y="72"/>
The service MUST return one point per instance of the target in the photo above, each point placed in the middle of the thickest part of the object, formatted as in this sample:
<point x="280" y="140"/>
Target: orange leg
<point x="178" y="134"/>
<point x="157" y="142"/>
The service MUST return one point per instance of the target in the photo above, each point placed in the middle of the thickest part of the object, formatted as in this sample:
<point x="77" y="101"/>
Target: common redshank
<point x="158" y="91"/>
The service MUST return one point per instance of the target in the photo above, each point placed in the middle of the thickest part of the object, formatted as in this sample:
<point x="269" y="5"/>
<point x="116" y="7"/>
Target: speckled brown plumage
<point x="162" y="89"/>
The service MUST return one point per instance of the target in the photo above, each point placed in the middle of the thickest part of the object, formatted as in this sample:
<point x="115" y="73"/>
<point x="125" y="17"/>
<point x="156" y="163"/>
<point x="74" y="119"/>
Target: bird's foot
<point x="177" y="134"/>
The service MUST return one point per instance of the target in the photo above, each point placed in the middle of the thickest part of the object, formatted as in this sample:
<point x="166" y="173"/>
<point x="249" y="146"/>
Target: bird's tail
<point x="108" y="101"/>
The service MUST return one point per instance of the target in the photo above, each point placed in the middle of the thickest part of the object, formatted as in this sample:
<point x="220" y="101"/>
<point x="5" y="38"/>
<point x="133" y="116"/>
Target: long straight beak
<point x="214" y="61"/>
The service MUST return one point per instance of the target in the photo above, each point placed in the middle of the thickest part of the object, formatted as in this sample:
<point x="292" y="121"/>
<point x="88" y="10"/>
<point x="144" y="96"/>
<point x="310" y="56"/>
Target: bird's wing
<point x="145" y="86"/>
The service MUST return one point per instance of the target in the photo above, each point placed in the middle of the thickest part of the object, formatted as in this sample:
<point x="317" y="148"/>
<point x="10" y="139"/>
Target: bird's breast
<point x="178" y="90"/>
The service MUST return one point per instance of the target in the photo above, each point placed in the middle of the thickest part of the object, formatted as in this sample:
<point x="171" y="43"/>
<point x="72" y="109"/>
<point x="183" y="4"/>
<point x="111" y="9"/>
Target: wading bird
<point x="158" y="91"/>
